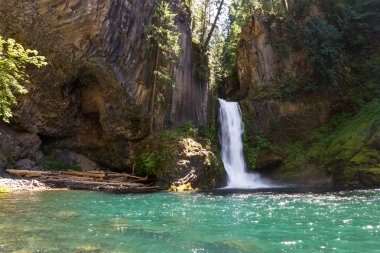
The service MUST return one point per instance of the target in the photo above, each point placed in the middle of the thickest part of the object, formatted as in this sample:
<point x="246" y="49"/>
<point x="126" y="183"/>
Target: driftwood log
<point x="95" y="178"/>
<point x="85" y="174"/>
<point x="28" y="173"/>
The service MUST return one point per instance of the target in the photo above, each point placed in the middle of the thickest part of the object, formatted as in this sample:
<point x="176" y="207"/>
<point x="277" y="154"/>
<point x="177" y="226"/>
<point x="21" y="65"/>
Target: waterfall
<point x="231" y="130"/>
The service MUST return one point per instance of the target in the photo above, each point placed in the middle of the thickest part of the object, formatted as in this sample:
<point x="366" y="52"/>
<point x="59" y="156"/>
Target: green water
<point x="272" y="221"/>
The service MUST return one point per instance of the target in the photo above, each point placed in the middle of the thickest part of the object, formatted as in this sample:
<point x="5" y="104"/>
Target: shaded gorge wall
<point x="93" y="98"/>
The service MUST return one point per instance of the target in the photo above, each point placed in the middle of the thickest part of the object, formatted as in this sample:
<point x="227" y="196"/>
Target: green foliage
<point x="188" y="130"/>
<point x="330" y="127"/>
<point x="299" y="6"/>
<point x="208" y="132"/>
<point x="253" y="143"/>
<point x="252" y="150"/>
<point x="349" y="137"/>
<point x="164" y="77"/>
<point x="208" y="40"/>
<point x="310" y="86"/>
<point x="202" y="68"/>
<point x="201" y="17"/>
<point x="262" y="142"/>
<point x="265" y="7"/>
<point x="358" y="21"/>
<point x="294" y="33"/>
<point x="160" y="152"/>
<point x="324" y="47"/>
<point x="164" y="40"/>
<point x="295" y="153"/>
<point x="53" y="161"/>
<point x="281" y="47"/>
<point x="14" y="59"/>
<point x="57" y="165"/>
<point x="238" y="13"/>
<point x="151" y="163"/>
<point x="343" y="147"/>
<point x="289" y="88"/>
<point x="362" y="81"/>
<point x="298" y="153"/>
<point x="251" y="155"/>
<point x="236" y="20"/>
<point x="273" y="126"/>
<point x="147" y="163"/>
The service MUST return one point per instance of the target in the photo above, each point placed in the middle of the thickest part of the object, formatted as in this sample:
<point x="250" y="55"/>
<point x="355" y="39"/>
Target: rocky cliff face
<point x="264" y="62"/>
<point x="94" y="96"/>
<point x="295" y="130"/>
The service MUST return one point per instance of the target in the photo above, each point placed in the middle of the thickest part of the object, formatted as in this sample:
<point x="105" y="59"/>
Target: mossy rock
<point x="365" y="176"/>
<point x="346" y="153"/>
<point x="366" y="156"/>
<point x="180" y="159"/>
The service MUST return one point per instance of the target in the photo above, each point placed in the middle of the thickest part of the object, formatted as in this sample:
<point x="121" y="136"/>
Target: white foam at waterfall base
<point x="231" y="130"/>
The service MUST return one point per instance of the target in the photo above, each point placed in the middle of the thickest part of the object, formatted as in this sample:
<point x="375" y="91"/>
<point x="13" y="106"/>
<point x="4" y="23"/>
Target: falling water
<point x="232" y="148"/>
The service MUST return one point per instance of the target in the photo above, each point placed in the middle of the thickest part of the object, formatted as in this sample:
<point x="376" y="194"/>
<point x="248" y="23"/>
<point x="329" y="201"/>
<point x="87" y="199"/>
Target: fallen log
<point x="114" y="174"/>
<point x="95" y="171"/>
<point x="95" y="178"/>
<point x="84" y="174"/>
<point x="28" y="173"/>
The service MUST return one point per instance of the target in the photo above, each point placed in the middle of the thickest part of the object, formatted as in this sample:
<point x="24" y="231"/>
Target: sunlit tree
<point x="14" y="59"/>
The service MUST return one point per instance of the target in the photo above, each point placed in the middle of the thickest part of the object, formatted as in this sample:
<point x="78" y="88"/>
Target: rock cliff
<point x="93" y="98"/>
<point x="267" y="68"/>
<point x="293" y="114"/>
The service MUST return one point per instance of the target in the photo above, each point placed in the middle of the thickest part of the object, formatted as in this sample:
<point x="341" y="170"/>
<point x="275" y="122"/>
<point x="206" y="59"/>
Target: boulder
<point x="180" y="161"/>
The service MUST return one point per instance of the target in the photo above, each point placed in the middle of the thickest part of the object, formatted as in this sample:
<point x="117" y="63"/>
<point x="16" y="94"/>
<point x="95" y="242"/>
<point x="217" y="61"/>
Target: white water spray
<point x="232" y="148"/>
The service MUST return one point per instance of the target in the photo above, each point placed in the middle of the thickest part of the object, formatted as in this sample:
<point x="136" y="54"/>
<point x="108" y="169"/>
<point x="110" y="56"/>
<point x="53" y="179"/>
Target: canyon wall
<point x="93" y="98"/>
<point x="262" y="68"/>
<point x="300" y="126"/>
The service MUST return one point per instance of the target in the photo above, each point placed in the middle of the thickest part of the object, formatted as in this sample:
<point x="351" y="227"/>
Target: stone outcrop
<point x="94" y="96"/>
<point x="181" y="160"/>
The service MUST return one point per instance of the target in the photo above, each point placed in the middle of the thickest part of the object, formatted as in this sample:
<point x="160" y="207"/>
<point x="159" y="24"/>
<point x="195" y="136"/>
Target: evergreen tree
<point x="324" y="47"/>
<point x="163" y="40"/>
<point x="14" y="59"/>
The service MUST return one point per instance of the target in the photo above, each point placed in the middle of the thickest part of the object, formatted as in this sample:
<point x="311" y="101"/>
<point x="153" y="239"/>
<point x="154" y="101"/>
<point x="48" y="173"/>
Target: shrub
<point x="324" y="47"/>
<point x="56" y="165"/>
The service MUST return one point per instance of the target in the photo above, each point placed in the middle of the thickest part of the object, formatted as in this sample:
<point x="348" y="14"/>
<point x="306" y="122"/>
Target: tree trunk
<point x="152" y="100"/>
<point x="205" y="45"/>
<point x="285" y="4"/>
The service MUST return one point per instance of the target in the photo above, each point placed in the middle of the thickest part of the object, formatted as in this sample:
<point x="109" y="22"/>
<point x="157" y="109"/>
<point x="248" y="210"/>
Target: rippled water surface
<point x="271" y="221"/>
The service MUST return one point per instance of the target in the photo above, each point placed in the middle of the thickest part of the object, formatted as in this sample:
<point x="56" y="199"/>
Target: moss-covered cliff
<point x="307" y="81"/>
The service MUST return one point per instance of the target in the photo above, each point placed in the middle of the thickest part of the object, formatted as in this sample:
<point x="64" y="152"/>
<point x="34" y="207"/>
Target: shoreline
<point x="9" y="183"/>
